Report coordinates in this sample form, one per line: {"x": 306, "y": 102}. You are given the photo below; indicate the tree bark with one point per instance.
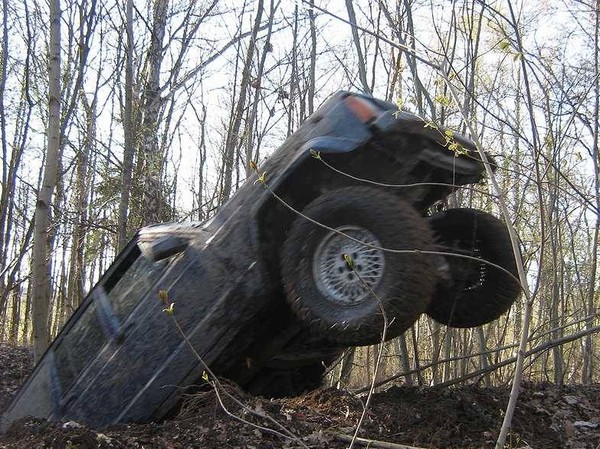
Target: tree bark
{"x": 41, "y": 260}
{"x": 153, "y": 204}
{"x": 405, "y": 359}
{"x": 361, "y": 63}
{"x": 252, "y": 116}
{"x": 4, "y": 188}
{"x": 129, "y": 131}
{"x": 76, "y": 266}
{"x": 313, "y": 58}
{"x": 232, "y": 140}
{"x": 346, "y": 366}
{"x": 591, "y": 308}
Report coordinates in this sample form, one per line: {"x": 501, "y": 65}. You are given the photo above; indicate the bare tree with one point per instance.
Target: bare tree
{"x": 152, "y": 103}
{"x": 233, "y": 131}
{"x": 251, "y": 154}
{"x": 41, "y": 261}
{"x": 313, "y": 58}
{"x": 361, "y": 63}
{"x": 590, "y": 306}
{"x": 129, "y": 136}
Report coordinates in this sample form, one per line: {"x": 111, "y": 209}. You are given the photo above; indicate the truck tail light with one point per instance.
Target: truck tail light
{"x": 362, "y": 108}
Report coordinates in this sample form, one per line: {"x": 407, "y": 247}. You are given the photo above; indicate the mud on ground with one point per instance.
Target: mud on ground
{"x": 461, "y": 417}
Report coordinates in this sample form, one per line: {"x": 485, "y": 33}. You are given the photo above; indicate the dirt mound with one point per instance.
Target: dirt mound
{"x": 463, "y": 417}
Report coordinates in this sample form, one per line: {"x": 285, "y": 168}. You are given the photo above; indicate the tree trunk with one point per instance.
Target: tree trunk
{"x": 404, "y": 31}
{"x": 294, "y": 84}
{"x": 233, "y": 133}
{"x": 250, "y": 154}
{"x": 591, "y": 310}
{"x": 435, "y": 330}
{"x": 129, "y": 131}
{"x": 153, "y": 204}
{"x": 346, "y": 366}
{"x": 361, "y": 63}
{"x": 484, "y": 362}
{"x": 41, "y": 261}
{"x": 313, "y": 58}
{"x": 75, "y": 273}
{"x": 404, "y": 359}
{"x": 12, "y": 160}
{"x": 4, "y": 187}
{"x": 201, "y": 164}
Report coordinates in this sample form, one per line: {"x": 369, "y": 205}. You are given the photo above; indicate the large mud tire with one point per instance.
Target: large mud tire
{"x": 343, "y": 304}
{"x": 473, "y": 292}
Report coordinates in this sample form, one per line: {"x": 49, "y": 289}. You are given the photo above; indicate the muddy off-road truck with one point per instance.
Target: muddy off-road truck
{"x": 341, "y": 234}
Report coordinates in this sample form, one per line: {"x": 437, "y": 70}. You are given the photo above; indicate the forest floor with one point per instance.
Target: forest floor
{"x": 459, "y": 417}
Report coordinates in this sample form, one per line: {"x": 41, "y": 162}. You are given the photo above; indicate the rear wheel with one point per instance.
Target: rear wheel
{"x": 473, "y": 290}
{"x": 340, "y": 281}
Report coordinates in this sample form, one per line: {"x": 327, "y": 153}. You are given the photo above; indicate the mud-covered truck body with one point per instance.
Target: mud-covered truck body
{"x": 341, "y": 238}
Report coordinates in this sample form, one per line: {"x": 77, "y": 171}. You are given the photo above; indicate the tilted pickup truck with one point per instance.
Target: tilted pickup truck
{"x": 341, "y": 238}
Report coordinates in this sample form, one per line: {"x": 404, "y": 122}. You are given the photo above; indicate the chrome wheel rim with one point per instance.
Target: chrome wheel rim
{"x": 337, "y": 280}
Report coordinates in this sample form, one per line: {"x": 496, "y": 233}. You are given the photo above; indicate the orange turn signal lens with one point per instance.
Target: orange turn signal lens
{"x": 363, "y": 109}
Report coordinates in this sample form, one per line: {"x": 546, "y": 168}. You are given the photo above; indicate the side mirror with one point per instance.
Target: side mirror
{"x": 163, "y": 247}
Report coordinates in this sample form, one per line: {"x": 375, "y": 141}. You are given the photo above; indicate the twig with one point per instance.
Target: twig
{"x": 379, "y": 353}
{"x": 372, "y": 443}
{"x": 242, "y": 420}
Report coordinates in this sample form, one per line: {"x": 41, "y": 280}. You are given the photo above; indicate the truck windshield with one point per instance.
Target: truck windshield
{"x": 104, "y": 314}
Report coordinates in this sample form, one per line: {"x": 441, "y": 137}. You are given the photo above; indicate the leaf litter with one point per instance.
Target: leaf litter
{"x": 467, "y": 416}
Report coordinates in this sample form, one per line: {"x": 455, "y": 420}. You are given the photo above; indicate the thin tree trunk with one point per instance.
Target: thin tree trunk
{"x": 402, "y": 27}
{"x": 153, "y": 204}
{"x": 448, "y": 341}
{"x": 12, "y": 161}
{"x": 313, "y": 58}
{"x": 294, "y": 85}
{"x": 588, "y": 344}
{"x": 405, "y": 359}
{"x": 201, "y": 164}
{"x": 75, "y": 274}
{"x": 41, "y": 261}
{"x": 361, "y": 63}
{"x": 484, "y": 358}
{"x": 346, "y": 366}
{"x": 232, "y": 141}
{"x": 16, "y": 289}
{"x": 13, "y": 332}
{"x": 436, "y": 349}
{"x": 416, "y": 359}
{"x": 267, "y": 48}
{"x": 4, "y": 187}
{"x": 129, "y": 136}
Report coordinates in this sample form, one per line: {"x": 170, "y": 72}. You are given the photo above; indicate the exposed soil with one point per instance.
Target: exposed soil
{"x": 462, "y": 417}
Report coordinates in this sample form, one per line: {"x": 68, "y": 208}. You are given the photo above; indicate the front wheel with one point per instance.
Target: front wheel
{"x": 341, "y": 280}
{"x": 479, "y": 288}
